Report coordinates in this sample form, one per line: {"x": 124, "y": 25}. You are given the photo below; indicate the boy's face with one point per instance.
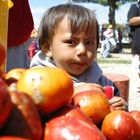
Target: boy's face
{"x": 72, "y": 52}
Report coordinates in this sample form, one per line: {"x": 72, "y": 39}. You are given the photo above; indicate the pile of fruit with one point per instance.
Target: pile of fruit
{"x": 40, "y": 104}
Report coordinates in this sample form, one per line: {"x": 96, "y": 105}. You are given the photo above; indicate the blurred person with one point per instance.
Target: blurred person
{"x": 102, "y": 38}
{"x": 134, "y": 22}
{"x": 33, "y": 48}
{"x": 102, "y": 31}
{"x": 107, "y": 48}
{"x": 119, "y": 39}
{"x": 20, "y": 26}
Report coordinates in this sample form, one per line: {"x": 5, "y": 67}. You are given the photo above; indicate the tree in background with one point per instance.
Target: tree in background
{"x": 113, "y": 5}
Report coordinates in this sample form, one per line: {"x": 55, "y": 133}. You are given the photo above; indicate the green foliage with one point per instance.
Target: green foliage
{"x": 103, "y": 2}
{"x": 112, "y": 61}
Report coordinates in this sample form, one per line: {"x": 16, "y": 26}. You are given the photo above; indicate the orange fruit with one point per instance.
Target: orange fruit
{"x": 93, "y": 103}
{"x": 14, "y": 74}
{"x": 50, "y": 88}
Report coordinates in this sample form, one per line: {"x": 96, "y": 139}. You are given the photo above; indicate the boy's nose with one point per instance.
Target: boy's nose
{"x": 81, "y": 49}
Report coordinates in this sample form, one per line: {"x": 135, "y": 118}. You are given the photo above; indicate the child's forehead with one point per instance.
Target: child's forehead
{"x": 84, "y": 35}
{"x": 76, "y": 27}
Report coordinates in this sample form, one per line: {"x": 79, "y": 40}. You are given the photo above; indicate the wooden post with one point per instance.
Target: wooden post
{"x": 4, "y": 12}
{"x": 122, "y": 83}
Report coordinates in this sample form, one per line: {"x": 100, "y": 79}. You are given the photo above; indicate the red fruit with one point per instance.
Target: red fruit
{"x": 120, "y": 125}
{"x": 24, "y": 120}
{"x": 79, "y": 114}
{"x": 94, "y": 104}
{"x": 71, "y": 128}
{"x": 136, "y": 115}
{"x": 2, "y": 54}
{"x": 5, "y": 103}
{"x": 73, "y": 111}
{"x": 12, "y": 138}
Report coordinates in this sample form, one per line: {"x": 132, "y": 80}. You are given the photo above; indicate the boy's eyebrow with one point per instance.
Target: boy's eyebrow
{"x": 91, "y": 38}
{"x": 86, "y": 36}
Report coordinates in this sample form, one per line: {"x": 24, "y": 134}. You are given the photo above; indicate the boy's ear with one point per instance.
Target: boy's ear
{"x": 46, "y": 50}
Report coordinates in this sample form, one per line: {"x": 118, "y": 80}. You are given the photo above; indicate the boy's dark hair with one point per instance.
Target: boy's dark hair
{"x": 81, "y": 19}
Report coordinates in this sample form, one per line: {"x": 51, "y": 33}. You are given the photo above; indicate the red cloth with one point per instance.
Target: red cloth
{"x": 20, "y": 23}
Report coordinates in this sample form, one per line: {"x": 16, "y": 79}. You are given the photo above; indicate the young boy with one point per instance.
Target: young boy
{"x": 69, "y": 38}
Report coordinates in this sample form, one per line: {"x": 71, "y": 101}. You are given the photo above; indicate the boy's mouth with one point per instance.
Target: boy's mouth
{"x": 79, "y": 64}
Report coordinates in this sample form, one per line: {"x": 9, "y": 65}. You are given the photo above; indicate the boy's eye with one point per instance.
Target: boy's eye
{"x": 70, "y": 42}
{"x": 89, "y": 42}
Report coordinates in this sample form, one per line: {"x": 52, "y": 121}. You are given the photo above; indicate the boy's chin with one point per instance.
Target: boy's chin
{"x": 74, "y": 74}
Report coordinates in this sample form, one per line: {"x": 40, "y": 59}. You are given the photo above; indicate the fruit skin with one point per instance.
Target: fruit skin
{"x": 72, "y": 111}
{"x": 50, "y": 88}
{"x": 14, "y": 75}
{"x": 94, "y": 104}
{"x": 77, "y": 113}
{"x": 5, "y": 103}
{"x": 66, "y": 127}
{"x": 12, "y": 138}
{"x": 136, "y": 115}
{"x": 24, "y": 120}
{"x": 2, "y": 54}
{"x": 120, "y": 125}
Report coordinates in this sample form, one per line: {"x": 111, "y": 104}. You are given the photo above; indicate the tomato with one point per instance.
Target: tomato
{"x": 69, "y": 110}
{"x": 94, "y": 104}
{"x": 120, "y": 125}
{"x": 66, "y": 127}
{"x": 136, "y": 115}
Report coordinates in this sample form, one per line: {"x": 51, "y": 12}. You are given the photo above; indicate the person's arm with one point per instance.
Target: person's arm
{"x": 118, "y": 103}
{"x": 80, "y": 87}
{"x": 134, "y": 21}
{"x": 133, "y": 18}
